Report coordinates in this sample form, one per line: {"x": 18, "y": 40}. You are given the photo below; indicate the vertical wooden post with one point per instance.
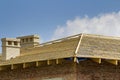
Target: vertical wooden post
{"x": 48, "y": 62}
{"x": 24, "y": 66}
{"x": 12, "y": 66}
{"x": 57, "y": 61}
{"x": 75, "y": 59}
{"x": 37, "y": 64}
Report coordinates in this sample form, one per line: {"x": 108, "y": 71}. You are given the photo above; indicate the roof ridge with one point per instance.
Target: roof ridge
{"x": 76, "y": 50}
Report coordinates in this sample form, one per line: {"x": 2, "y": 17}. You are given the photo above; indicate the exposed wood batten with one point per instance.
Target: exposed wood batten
{"x": 79, "y": 44}
{"x": 76, "y": 50}
{"x": 57, "y": 61}
{"x": 97, "y": 60}
{"x": 115, "y": 62}
{"x": 24, "y": 65}
{"x": 75, "y": 59}
{"x": 37, "y": 63}
{"x": 48, "y": 62}
{"x": 12, "y": 66}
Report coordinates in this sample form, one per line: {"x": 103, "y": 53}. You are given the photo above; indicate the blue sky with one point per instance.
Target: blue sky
{"x": 45, "y": 17}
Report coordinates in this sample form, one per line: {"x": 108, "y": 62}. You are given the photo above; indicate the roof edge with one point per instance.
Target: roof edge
{"x": 103, "y": 36}
{"x": 61, "y": 39}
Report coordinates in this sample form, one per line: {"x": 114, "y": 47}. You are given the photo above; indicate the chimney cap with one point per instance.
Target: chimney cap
{"x": 29, "y": 36}
{"x": 10, "y": 39}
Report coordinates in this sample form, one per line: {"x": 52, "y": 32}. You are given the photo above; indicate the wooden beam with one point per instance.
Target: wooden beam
{"x": 79, "y": 44}
{"x": 98, "y": 60}
{"x": 75, "y": 59}
{"x": 37, "y": 63}
{"x": 115, "y": 62}
{"x": 57, "y": 61}
{"x": 12, "y": 66}
{"x": 24, "y": 65}
{"x": 48, "y": 62}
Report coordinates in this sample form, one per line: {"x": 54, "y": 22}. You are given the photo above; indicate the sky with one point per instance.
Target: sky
{"x": 53, "y": 19}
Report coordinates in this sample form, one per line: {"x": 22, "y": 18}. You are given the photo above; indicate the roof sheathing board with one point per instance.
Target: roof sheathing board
{"x": 65, "y": 44}
{"x": 99, "y": 47}
{"x": 63, "y": 49}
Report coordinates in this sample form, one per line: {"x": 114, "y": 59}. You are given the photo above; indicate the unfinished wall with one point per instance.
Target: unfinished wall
{"x": 85, "y": 70}
{"x": 65, "y": 71}
{"x": 89, "y": 70}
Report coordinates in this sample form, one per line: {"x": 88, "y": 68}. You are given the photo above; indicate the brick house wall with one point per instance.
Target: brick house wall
{"x": 89, "y": 70}
{"x": 85, "y": 70}
{"x": 64, "y": 71}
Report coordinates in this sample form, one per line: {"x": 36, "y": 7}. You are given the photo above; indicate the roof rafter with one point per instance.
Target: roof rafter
{"x": 79, "y": 43}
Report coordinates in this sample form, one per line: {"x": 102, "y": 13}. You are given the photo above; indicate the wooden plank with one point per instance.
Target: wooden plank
{"x": 79, "y": 44}
{"x": 98, "y": 60}
{"x": 12, "y": 66}
{"x": 115, "y": 62}
{"x": 48, "y": 62}
{"x": 57, "y": 61}
{"x": 24, "y": 65}
{"x": 37, "y": 63}
{"x": 75, "y": 59}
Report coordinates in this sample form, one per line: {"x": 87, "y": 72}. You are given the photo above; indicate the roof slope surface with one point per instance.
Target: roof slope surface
{"x": 89, "y": 46}
{"x": 96, "y": 46}
{"x": 62, "y": 49}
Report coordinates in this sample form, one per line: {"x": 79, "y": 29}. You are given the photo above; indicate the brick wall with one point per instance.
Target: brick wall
{"x": 88, "y": 70}
{"x": 65, "y": 71}
{"x": 85, "y": 70}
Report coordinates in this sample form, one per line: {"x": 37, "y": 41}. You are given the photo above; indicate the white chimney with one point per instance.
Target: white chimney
{"x": 29, "y": 41}
{"x": 10, "y": 48}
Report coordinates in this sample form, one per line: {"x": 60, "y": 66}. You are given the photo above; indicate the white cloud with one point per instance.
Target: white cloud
{"x": 105, "y": 24}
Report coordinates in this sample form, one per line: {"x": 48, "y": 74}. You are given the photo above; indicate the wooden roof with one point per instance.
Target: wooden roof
{"x": 96, "y": 46}
{"x": 61, "y": 48}
{"x": 81, "y": 45}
